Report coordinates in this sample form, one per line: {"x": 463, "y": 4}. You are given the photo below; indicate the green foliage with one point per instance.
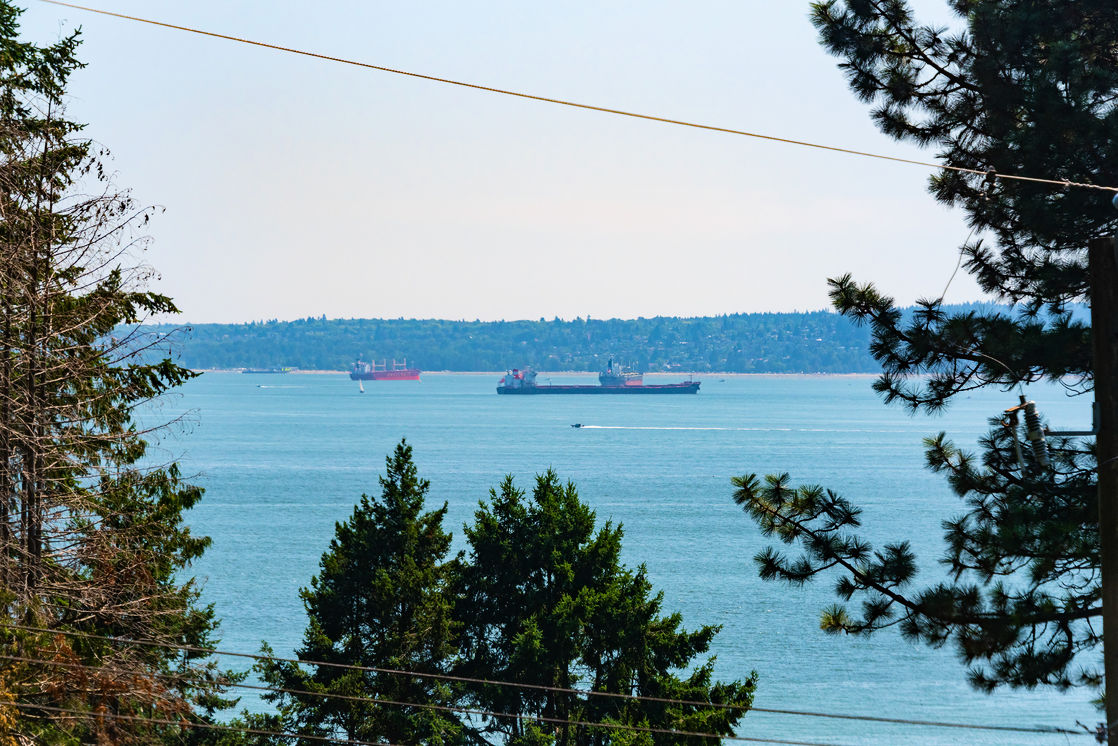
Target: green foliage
{"x": 92, "y": 540}
{"x": 541, "y": 598}
{"x": 381, "y": 600}
{"x": 1024, "y": 87}
{"x": 744, "y": 343}
{"x": 544, "y": 599}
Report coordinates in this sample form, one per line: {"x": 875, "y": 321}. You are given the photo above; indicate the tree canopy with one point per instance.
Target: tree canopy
{"x": 545, "y": 600}
{"x": 1028, "y": 88}
{"x": 93, "y": 550}
{"x": 818, "y": 341}
{"x": 533, "y": 634}
{"x": 381, "y": 600}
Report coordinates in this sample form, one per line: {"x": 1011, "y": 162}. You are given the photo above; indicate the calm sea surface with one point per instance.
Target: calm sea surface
{"x": 284, "y": 457}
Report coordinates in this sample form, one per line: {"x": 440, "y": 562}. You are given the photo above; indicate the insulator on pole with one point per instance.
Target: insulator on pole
{"x": 1034, "y": 433}
{"x": 1009, "y": 422}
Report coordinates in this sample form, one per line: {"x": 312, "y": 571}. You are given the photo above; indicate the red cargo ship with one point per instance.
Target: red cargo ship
{"x": 375, "y": 371}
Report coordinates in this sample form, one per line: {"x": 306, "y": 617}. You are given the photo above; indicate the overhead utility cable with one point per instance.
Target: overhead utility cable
{"x": 442, "y": 708}
{"x": 606, "y": 110}
{"x": 189, "y": 724}
{"x": 581, "y": 692}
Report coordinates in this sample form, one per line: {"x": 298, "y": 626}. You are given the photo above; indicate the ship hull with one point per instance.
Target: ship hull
{"x": 691, "y": 387}
{"x": 409, "y": 374}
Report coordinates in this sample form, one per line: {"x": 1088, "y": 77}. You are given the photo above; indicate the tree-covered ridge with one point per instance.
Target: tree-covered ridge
{"x": 807, "y": 342}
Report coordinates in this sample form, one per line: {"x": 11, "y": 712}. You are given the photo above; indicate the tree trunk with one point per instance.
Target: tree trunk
{"x": 1104, "y": 332}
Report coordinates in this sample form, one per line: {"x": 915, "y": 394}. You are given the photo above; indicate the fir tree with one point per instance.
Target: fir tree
{"x": 542, "y": 598}
{"x": 1024, "y": 87}
{"x": 545, "y": 600}
{"x": 91, "y": 540}
{"x": 380, "y": 600}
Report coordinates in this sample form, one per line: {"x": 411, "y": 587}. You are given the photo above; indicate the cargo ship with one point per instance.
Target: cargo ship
{"x": 518, "y": 381}
{"x": 375, "y": 371}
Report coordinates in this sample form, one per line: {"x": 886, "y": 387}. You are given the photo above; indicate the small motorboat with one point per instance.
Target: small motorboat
{"x": 577, "y": 424}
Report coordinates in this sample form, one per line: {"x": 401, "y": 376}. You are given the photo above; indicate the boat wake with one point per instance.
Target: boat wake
{"x": 739, "y": 429}
{"x": 666, "y": 427}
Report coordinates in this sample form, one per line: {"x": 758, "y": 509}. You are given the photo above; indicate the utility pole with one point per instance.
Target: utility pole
{"x": 1103, "y": 269}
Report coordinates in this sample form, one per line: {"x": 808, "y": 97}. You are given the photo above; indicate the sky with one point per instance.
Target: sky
{"x": 292, "y": 187}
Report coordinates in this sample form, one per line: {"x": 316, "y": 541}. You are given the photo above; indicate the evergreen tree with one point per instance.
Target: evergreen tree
{"x": 1024, "y": 87}
{"x": 542, "y": 599}
{"x": 545, "y": 600}
{"x": 91, "y": 540}
{"x": 380, "y": 600}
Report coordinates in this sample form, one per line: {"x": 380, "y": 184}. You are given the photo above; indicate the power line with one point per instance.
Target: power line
{"x": 958, "y": 264}
{"x": 191, "y": 724}
{"x": 603, "y": 109}
{"x": 426, "y": 706}
{"x": 541, "y": 687}
{"x": 989, "y": 174}
{"x": 376, "y": 669}
{"x": 463, "y": 710}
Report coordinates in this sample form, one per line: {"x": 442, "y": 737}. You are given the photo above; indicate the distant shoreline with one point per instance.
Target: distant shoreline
{"x": 696, "y": 374}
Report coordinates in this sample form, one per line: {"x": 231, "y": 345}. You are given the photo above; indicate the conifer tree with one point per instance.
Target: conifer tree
{"x": 380, "y": 599}
{"x": 1026, "y": 87}
{"x": 91, "y": 539}
{"x": 541, "y": 599}
{"x": 545, "y": 600}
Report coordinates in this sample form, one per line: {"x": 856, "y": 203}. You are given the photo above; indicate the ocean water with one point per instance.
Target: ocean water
{"x": 285, "y": 457}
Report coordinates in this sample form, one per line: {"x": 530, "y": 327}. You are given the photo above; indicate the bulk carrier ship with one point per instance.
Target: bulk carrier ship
{"x": 610, "y": 381}
{"x": 375, "y": 371}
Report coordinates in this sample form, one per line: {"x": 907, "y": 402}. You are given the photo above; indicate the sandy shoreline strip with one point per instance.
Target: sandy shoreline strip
{"x": 696, "y": 374}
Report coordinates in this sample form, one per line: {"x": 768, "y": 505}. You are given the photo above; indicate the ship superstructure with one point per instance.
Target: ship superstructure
{"x": 375, "y": 371}
{"x": 618, "y": 377}
{"x": 517, "y": 381}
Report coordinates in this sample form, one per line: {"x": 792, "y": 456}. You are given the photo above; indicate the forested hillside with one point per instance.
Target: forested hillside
{"x": 814, "y": 342}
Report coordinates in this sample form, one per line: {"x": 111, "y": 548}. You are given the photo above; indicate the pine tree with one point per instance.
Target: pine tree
{"x": 380, "y": 600}
{"x": 91, "y": 539}
{"x": 545, "y": 600}
{"x": 1027, "y": 88}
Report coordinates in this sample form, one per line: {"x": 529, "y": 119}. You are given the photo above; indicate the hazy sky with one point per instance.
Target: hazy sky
{"x": 298, "y": 187}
